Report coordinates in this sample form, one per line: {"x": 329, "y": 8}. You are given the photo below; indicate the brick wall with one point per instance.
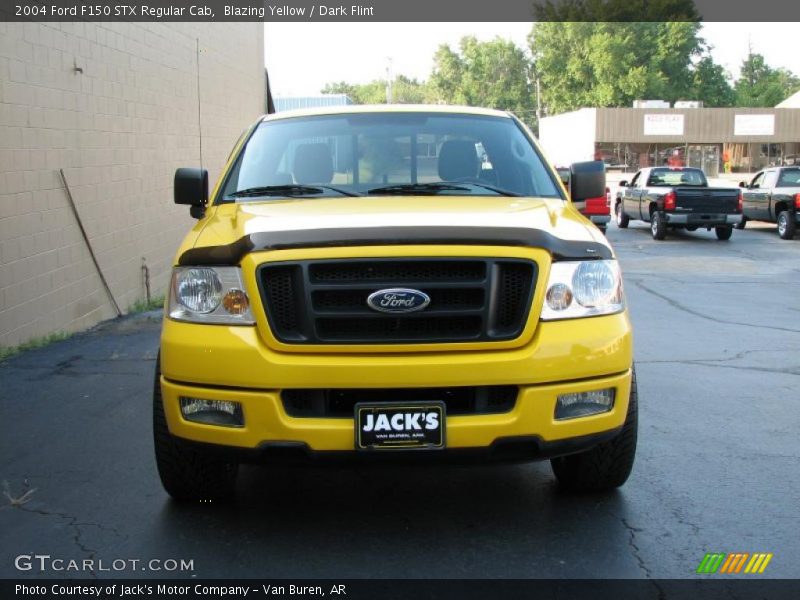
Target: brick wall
{"x": 116, "y": 106}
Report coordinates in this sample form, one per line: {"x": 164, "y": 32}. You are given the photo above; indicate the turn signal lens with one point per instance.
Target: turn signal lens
{"x": 559, "y": 297}
{"x": 236, "y": 302}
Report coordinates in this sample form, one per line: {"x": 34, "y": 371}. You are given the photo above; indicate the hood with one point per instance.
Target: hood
{"x": 367, "y": 218}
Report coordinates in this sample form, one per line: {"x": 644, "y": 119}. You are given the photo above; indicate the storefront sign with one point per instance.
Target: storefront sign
{"x": 663, "y": 124}
{"x": 754, "y": 125}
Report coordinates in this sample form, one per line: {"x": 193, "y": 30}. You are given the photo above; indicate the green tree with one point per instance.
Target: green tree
{"x": 711, "y": 84}
{"x": 373, "y": 92}
{"x": 447, "y": 77}
{"x": 494, "y": 74}
{"x": 582, "y": 64}
{"x": 404, "y": 91}
{"x": 761, "y": 85}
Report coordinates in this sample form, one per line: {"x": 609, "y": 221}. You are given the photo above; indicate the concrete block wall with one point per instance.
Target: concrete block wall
{"x": 116, "y": 106}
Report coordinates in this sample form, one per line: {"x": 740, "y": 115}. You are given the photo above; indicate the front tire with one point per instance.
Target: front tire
{"x": 621, "y": 218}
{"x": 658, "y": 225}
{"x": 607, "y": 465}
{"x": 724, "y": 233}
{"x": 187, "y": 473}
{"x": 786, "y": 225}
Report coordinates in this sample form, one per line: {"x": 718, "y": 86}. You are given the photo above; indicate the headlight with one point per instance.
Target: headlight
{"x": 198, "y": 290}
{"x": 209, "y": 295}
{"x": 583, "y": 289}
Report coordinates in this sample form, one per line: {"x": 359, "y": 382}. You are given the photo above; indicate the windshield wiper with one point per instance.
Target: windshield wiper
{"x": 498, "y": 190}
{"x": 294, "y": 189}
{"x": 418, "y": 188}
{"x": 438, "y": 186}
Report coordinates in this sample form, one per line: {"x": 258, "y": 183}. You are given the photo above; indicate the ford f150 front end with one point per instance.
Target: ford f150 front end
{"x": 393, "y": 281}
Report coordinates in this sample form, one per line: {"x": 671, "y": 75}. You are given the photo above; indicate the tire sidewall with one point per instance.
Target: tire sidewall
{"x": 658, "y": 226}
{"x": 786, "y": 225}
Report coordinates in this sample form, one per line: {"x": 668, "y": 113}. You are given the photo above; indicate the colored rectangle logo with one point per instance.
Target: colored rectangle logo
{"x": 734, "y": 563}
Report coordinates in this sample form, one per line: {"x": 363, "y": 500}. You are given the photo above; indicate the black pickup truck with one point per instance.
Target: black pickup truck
{"x": 773, "y": 195}
{"x": 677, "y": 198}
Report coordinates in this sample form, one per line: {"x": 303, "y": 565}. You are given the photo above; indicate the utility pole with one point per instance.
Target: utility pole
{"x": 538, "y": 106}
{"x": 389, "y": 80}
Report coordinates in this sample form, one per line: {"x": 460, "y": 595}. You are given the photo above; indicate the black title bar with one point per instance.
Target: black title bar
{"x": 710, "y": 588}
{"x": 398, "y": 10}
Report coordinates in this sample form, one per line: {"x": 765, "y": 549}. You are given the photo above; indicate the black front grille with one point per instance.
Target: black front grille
{"x": 282, "y": 292}
{"x": 325, "y": 302}
{"x": 515, "y": 283}
{"x": 447, "y": 299}
{"x": 398, "y": 271}
{"x": 340, "y": 403}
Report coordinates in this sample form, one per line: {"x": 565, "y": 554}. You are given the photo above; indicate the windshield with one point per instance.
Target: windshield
{"x": 676, "y": 177}
{"x": 388, "y": 154}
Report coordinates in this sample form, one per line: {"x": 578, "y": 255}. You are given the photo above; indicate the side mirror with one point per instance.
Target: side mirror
{"x": 742, "y": 184}
{"x": 587, "y": 180}
{"x": 191, "y": 187}
{"x": 623, "y": 183}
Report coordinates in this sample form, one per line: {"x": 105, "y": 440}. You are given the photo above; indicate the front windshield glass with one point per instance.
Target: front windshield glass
{"x": 388, "y": 153}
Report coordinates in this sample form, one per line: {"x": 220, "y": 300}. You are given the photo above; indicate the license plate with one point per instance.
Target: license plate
{"x": 406, "y": 426}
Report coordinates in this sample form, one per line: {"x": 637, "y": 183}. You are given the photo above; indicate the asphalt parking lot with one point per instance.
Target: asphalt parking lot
{"x": 718, "y": 469}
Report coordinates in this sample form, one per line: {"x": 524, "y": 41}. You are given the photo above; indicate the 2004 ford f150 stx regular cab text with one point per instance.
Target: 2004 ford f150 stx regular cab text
{"x": 375, "y": 282}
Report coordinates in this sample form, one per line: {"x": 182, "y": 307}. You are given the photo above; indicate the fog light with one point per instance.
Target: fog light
{"x": 582, "y": 404}
{"x": 212, "y": 412}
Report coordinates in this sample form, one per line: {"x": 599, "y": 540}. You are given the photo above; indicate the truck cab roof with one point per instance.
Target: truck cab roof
{"x": 387, "y": 108}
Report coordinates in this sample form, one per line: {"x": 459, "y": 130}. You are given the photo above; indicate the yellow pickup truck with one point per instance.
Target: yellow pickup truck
{"x": 382, "y": 282}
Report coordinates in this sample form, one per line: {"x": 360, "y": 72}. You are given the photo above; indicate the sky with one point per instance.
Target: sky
{"x": 303, "y": 57}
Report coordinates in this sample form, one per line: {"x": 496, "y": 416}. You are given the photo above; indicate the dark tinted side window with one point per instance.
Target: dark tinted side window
{"x": 789, "y": 178}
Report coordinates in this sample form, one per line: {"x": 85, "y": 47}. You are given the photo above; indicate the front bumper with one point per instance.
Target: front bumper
{"x": 600, "y": 220}
{"x": 505, "y": 449}
{"x": 267, "y": 423}
{"x": 702, "y": 220}
{"x": 232, "y": 363}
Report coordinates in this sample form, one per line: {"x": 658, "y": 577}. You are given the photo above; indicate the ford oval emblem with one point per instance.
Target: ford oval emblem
{"x": 398, "y": 300}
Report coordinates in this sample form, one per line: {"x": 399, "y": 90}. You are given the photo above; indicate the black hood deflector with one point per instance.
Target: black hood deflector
{"x": 232, "y": 254}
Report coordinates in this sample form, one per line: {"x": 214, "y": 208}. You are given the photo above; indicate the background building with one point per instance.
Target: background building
{"x": 292, "y": 102}
{"x": 118, "y": 107}
{"x": 792, "y": 101}
{"x": 717, "y": 140}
